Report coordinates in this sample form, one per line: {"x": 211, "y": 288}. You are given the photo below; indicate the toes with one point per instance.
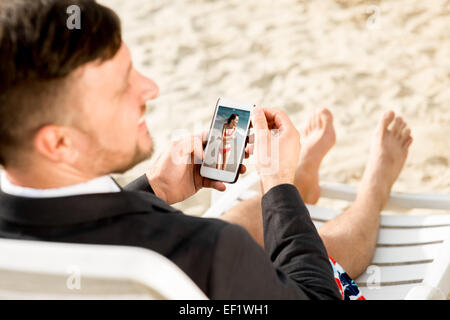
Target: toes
{"x": 324, "y": 112}
{"x": 406, "y": 137}
{"x": 406, "y": 133}
{"x": 320, "y": 122}
{"x": 325, "y": 117}
{"x": 401, "y": 131}
{"x": 397, "y": 126}
{"x": 318, "y": 119}
{"x": 407, "y": 142}
{"x": 387, "y": 118}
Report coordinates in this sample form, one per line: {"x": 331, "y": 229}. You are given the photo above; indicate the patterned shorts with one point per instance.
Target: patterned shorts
{"x": 348, "y": 288}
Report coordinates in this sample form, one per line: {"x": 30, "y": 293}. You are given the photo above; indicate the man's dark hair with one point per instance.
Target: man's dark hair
{"x": 37, "y": 54}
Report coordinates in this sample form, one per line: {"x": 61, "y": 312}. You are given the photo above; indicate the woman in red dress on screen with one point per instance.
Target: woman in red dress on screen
{"x": 228, "y": 135}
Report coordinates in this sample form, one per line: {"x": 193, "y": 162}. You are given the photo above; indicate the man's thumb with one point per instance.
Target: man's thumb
{"x": 259, "y": 121}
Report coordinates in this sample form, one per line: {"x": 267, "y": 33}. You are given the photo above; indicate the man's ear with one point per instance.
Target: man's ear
{"x": 54, "y": 143}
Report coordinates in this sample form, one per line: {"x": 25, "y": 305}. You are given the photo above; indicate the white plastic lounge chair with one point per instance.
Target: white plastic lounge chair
{"x": 412, "y": 258}
{"x": 45, "y": 270}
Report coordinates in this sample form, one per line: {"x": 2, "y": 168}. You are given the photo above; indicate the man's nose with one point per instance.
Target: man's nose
{"x": 149, "y": 88}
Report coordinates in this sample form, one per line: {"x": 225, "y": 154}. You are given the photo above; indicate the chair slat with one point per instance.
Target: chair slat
{"x": 405, "y": 255}
{"x": 407, "y": 237}
{"x": 396, "y": 200}
{"x": 398, "y": 292}
{"x": 321, "y": 213}
{"x": 317, "y": 224}
{"x": 247, "y": 194}
{"x": 389, "y": 275}
{"x": 405, "y": 221}
{"x": 396, "y": 236}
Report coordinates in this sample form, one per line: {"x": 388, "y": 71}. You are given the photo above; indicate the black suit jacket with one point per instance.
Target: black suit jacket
{"x": 221, "y": 258}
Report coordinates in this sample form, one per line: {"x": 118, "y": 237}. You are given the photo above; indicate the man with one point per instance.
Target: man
{"x": 71, "y": 107}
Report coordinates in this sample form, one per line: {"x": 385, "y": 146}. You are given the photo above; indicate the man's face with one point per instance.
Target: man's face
{"x": 112, "y": 135}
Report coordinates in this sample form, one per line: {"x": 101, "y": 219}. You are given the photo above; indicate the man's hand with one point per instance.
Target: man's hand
{"x": 276, "y": 147}
{"x": 176, "y": 174}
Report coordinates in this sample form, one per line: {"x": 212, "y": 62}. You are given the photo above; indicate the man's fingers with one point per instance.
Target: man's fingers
{"x": 205, "y": 135}
{"x": 202, "y": 136}
{"x": 197, "y": 144}
{"x": 249, "y": 150}
{"x": 260, "y": 129}
{"x": 196, "y": 147}
{"x": 251, "y": 137}
{"x": 277, "y": 119}
{"x": 272, "y": 119}
{"x": 218, "y": 185}
{"x": 208, "y": 183}
{"x": 259, "y": 120}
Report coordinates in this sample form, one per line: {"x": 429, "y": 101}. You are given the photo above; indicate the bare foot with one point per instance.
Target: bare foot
{"x": 317, "y": 138}
{"x": 388, "y": 152}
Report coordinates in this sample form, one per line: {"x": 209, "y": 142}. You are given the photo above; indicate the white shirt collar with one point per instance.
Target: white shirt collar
{"x": 104, "y": 184}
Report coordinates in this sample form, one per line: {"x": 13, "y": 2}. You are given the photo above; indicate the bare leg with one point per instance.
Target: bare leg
{"x": 317, "y": 138}
{"x": 351, "y": 237}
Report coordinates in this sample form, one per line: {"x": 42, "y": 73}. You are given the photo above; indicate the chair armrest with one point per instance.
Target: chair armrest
{"x": 396, "y": 200}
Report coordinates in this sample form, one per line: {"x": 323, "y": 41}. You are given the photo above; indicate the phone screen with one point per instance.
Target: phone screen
{"x": 227, "y": 139}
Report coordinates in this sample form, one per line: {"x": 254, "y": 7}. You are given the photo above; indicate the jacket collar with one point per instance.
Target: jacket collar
{"x": 103, "y": 184}
{"x": 69, "y": 210}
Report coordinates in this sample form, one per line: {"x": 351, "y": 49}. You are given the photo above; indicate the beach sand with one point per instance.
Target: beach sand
{"x": 357, "y": 58}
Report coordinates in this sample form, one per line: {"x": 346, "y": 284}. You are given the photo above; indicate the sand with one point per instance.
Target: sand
{"x": 357, "y": 58}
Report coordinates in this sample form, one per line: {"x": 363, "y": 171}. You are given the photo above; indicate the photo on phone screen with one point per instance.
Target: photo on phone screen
{"x": 227, "y": 139}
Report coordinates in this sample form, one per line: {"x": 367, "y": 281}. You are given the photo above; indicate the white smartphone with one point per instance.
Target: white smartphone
{"x": 225, "y": 147}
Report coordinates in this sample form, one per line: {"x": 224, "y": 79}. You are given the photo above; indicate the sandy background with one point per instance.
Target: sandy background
{"x": 357, "y": 58}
